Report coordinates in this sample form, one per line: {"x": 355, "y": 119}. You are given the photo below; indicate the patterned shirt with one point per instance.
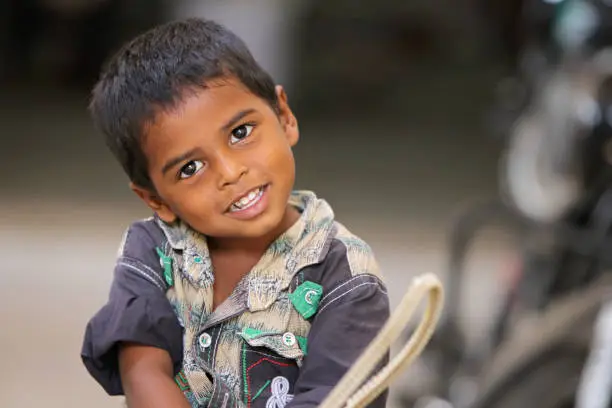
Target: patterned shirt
{"x": 285, "y": 336}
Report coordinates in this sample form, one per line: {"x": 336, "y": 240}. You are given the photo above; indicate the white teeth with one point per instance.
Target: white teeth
{"x": 247, "y": 200}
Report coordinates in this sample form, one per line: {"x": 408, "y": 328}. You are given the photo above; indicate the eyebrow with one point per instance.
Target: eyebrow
{"x": 234, "y": 119}
{"x": 178, "y": 159}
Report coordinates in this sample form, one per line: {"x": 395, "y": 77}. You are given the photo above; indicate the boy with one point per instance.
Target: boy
{"x": 238, "y": 292}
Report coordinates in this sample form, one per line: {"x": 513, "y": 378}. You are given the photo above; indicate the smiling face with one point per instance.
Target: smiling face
{"x": 222, "y": 162}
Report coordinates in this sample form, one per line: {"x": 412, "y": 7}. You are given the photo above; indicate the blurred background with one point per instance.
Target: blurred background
{"x": 412, "y": 115}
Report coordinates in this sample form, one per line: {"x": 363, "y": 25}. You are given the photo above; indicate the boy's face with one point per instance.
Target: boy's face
{"x": 222, "y": 162}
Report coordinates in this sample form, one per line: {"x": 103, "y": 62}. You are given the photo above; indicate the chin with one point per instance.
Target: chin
{"x": 264, "y": 227}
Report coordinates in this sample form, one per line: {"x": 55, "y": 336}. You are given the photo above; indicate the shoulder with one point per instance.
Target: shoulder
{"x": 141, "y": 238}
{"x": 138, "y": 257}
{"x": 353, "y": 250}
{"x": 348, "y": 266}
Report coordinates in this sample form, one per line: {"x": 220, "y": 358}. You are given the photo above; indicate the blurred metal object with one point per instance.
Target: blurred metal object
{"x": 556, "y": 196}
{"x": 595, "y": 388}
{"x": 456, "y": 365}
{"x": 545, "y": 357}
{"x": 540, "y": 172}
{"x": 543, "y": 172}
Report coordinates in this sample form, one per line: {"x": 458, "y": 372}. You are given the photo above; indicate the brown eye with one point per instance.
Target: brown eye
{"x": 190, "y": 169}
{"x": 240, "y": 133}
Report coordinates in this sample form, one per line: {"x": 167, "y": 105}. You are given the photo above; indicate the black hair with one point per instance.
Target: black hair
{"x": 153, "y": 72}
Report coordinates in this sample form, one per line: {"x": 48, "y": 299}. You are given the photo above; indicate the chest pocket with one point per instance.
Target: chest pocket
{"x": 271, "y": 364}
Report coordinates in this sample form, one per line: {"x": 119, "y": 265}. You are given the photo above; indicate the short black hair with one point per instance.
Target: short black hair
{"x": 153, "y": 72}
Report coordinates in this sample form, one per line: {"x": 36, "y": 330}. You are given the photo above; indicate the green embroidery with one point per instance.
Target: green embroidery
{"x": 303, "y": 342}
{"x": 306, "y": 298}
{"x": 249, "y": 333}
{"x": 244, "y": 374}
{"x": 261, "y": 390}
{"x": 181, "y": 381}
{"x": 167, "y": 262}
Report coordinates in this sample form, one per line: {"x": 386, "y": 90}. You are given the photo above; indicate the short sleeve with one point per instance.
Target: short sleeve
{"x": 351, "y": 313}
{"x": 137, "y": 310}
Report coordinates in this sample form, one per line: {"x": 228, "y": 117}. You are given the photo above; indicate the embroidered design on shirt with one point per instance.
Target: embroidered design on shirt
{"x": 181, "y": 381}
{"x": 258, "y": 393}
{"x": 166, "y": 263}
{"x": 280, "y": 393}
{"x": 248, "y": 379}
{"x": 306, "y": 298}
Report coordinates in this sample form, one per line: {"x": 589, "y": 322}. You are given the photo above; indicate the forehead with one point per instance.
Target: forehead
{"x": 200, "y": 112}
{"x": 208, "y": 107}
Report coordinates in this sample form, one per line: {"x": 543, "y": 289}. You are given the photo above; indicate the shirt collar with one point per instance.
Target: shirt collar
{"x": 305, "y": 243}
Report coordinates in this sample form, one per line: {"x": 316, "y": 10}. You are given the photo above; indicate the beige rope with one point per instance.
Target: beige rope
{"x": 347, "y": 392}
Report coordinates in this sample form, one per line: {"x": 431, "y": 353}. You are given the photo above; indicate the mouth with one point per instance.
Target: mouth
{"x": 248, "y": 200}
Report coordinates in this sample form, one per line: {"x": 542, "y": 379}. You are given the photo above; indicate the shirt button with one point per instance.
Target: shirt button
{"x": 308, "y": 296}
{"x": 205, "y": 340}
{"x": 289, "y": 339}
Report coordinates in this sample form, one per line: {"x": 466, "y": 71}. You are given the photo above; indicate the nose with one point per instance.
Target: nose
{"x": 230, "y": 170}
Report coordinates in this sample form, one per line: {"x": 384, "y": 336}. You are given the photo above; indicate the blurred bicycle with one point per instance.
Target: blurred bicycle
{"x": 556, "y": 199}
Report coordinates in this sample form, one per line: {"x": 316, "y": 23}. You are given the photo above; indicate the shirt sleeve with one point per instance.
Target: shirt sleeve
{"x": 350, "y": 315}
{"x": 136, "y": 311}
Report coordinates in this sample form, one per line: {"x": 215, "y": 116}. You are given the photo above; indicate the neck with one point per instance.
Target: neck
{"x": 255, "y": 245}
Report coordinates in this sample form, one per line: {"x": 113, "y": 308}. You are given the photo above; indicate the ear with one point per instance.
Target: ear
{"x": 286, "y": 116}
{"x": 154, "y": 202}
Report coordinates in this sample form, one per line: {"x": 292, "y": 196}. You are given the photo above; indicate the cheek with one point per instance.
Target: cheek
{"x": 197, "y": 212}
{"x": 189, "y": 200}
{"x": 280, "y": 154}
{"x": 280, "y": 163}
